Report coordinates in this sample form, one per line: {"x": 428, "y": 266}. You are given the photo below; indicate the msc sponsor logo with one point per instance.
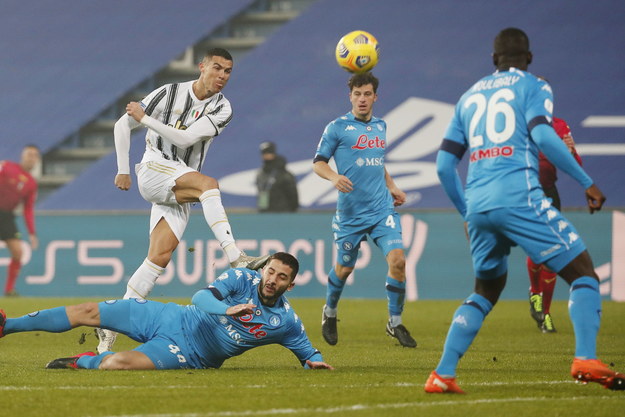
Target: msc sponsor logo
{"x": 370, "y": 162}
{"x": 494, "y": 152}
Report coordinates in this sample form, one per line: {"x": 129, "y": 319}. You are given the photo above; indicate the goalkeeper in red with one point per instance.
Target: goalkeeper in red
{"x": 17, "y": 186}
{"x": 504, "y": 120}
{"x": 542, "y": 279}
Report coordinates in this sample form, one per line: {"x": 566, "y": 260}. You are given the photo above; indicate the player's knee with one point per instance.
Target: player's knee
{"x": 116, "y": 361}
{"x": 83, "y": 314}
{"x": 16, "y": 254}
{"x": 129, "y": 360}
{"x": 342, "y": 272}
{"x": 397, "y": 264}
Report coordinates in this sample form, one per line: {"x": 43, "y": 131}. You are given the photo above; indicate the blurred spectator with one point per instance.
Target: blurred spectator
{"x": 17, "y": 186}
{"x": 277, "y": 188}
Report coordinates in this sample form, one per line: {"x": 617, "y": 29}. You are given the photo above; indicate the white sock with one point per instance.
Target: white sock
{"x": 329, "y": 312}
{"x": 217, "y": 220}
{"x": 142, "y": 281}
{"x": 395, "y": 321}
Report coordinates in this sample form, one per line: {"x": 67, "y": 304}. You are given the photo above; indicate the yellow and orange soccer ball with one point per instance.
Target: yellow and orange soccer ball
{"x": 357, "y": 51}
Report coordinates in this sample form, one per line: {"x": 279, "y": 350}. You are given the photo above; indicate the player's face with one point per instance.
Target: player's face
{"x": 362, "y": 99}
{"x": 276, "y": 279}
{"x": 30, "y": 158}
{"x": 214, "y": 74}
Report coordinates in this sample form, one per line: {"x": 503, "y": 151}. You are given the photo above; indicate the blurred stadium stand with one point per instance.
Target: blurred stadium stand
{"x": 74, "y": 66}
{"x": 288, "y": 88}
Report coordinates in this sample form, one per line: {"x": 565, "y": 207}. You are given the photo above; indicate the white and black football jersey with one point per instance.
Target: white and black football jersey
{"x": 176, "y": 105}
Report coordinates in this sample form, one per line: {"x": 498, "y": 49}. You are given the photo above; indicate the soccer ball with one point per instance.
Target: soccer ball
{"x": 357, "y": 51}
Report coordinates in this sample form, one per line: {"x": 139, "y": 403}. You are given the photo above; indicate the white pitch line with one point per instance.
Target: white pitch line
{"x": 257, "y": 386}
{"x": 367, "y": 407}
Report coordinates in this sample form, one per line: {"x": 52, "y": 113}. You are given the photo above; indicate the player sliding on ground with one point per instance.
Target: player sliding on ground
{"x": 241, "y": 310}
{"x": 503, "y": 120}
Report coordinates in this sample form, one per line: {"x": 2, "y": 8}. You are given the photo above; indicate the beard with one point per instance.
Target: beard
{"x": 271, "y": 298}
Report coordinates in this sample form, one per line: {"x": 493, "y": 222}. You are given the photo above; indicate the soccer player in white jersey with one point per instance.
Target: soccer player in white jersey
{"x": 182, "y": 121}
{"x": 504, "y": 120}
{"x": 367, "y": 197}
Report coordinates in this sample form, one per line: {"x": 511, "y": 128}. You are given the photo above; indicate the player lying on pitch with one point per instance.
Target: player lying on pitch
{"x": 241, "y": 310}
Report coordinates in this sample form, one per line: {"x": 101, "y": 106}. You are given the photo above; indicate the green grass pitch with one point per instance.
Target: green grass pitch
{"x": 511, "y": 370}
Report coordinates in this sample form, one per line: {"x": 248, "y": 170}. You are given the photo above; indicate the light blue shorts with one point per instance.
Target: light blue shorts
{"x": 385, "y": 233}
{"x": 156, "y": 325}
{"x": 543, "y": 233}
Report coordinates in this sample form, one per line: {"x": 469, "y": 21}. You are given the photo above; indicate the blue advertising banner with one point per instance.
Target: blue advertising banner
{"x": 95, "y": 254}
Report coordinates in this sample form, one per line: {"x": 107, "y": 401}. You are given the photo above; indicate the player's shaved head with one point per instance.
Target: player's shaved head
{"x": 512, "y": 49}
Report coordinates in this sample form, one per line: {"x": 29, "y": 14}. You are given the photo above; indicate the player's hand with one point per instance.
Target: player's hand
{"x": 595, "y": 198}
{"x": 123, "y": 181}
{"x": 319, "y": 365}
{"x": 134, "y": 110}
{"x": 34, "y": 241}
{"x": 343, "y": 184}
{"x": 569, "y": 142}
{"x": 240, "y": 310}
{"x": 399, "y": 197}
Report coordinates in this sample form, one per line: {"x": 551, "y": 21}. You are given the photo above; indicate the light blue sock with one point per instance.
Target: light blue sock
{"x": 395, "y": 294}
{"x": 334, "y": 289}
{"x": 466, "y": 322}
{"x": 91, "y": 362}
{"x": 52, "y": 320}
{"x": 585, "y": 313}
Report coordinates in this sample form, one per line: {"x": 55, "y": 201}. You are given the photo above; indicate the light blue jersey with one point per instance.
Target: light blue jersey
{"x": 216, "y": 338}
{"x": 504, "y": 120}
{"x": 493, "y": 120}
{"x": 358, "y": 149}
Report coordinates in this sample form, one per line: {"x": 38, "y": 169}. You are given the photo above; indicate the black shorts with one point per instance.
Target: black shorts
{"x": 8, "y": 228}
